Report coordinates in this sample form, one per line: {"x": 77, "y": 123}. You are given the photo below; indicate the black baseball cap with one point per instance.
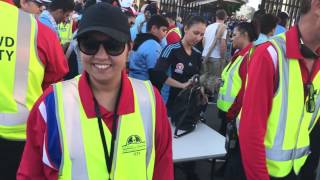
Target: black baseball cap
{"x": 105, "y": 18}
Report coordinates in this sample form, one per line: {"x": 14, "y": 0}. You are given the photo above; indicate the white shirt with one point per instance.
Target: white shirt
{"x": 209, "y": 36}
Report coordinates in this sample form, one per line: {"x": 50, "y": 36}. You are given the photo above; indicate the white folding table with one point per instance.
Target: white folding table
{"x": 202, "y": 143}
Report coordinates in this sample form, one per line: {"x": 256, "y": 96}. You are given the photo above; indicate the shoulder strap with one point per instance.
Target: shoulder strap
{"x": 219, "y": 33}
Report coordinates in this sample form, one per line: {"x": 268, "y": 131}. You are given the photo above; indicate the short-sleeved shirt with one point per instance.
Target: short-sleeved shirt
{"x": 178, "y": 65}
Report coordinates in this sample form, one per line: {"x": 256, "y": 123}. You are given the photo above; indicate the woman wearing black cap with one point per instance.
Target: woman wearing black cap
{"x": 101, "y": 124}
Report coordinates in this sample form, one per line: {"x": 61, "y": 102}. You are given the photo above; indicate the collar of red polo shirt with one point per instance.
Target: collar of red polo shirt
{"x": 8, "y": 1}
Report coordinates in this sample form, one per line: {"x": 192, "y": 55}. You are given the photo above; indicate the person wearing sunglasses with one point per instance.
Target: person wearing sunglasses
{"x": 281, "y": 102}
{"x": 231, "y": 94}
{"x": 101, "y": 124}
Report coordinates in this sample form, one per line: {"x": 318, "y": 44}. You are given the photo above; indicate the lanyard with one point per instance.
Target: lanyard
{"x": 108, "y": 158}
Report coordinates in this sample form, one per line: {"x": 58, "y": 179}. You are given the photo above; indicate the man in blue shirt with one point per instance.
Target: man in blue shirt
{"x": 58, "y": 11}
{"x": 147, "y": 48}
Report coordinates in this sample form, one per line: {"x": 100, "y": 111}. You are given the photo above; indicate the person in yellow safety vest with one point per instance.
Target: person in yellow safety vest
{"x": 65, "y": 31}
{"x": 231, "y": 93}
{"x": 174, "y": 33}
{"x": 281, "y": 101}
{"x": 30, "y": 59}
{"x": 101, "y": 124}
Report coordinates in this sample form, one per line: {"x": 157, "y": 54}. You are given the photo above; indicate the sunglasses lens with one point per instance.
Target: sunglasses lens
{"x": 113, "y": 47}
{"x": 89, "y": 47}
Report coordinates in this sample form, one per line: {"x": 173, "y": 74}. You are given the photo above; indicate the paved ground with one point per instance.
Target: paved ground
{"x": 203, "y": 167}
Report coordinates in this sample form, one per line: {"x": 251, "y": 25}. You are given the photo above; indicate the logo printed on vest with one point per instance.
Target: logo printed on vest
{"x": 134, "y": 145}
{"x": 5, "y": 44}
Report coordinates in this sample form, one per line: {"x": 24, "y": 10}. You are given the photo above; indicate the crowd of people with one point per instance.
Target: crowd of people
{"x": 88, "y": 89}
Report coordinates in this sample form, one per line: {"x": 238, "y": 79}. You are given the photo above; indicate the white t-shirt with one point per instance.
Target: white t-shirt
{"x": 209, "y": 36}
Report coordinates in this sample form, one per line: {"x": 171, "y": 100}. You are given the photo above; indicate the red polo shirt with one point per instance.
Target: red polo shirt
{"x": 51, "y": 55}
{"x": 237, "y": 104}
{"x": 172, "y": 37}
{"x": 32, "y": 165}
{"x": 257, "y": 102}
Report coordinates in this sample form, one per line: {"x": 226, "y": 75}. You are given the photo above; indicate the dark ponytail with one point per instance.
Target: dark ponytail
{"x": 251, "y": 29}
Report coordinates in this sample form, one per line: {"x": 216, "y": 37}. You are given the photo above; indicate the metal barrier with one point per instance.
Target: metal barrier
{"x": 182, "y": 8}
{"x": 290, "y": 6}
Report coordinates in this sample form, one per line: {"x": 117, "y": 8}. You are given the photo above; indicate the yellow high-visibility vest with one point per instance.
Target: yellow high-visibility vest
{"x": 176, "y": 30}
{"x": 22, "y": 71}
{"x": 83, "y": 154}
{"x": 65, "y": 32}
{"x": 231, "y": 84}
{"x": 287, "y": 140}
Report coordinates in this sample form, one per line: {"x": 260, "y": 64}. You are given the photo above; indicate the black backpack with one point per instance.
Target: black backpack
{"x": 187, "y": 108}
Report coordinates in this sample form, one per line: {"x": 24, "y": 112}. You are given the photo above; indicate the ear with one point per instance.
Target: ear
{"x": 185, "y": 28}
{"x": 316, "y": 5}
{"x": 23, "y": 4}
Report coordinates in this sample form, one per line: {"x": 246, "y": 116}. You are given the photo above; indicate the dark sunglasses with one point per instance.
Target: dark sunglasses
{"x": 91, "y": 46}
{"x": 310, "y": 104}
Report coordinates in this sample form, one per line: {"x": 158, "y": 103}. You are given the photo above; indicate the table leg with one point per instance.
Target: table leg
{"x": 213, "y": 164}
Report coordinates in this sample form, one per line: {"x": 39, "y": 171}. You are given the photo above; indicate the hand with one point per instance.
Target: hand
{"x": 186, "y": 84}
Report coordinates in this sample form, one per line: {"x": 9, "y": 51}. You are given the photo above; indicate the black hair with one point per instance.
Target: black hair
{"x": 250, "y": 29}
{"x": 221, "y": 14}
{"x": 158, "y": 21}
{"x": 267, "y": 23}
{"x": 283, "y": 18}
{"x": 78, "y": 8}
{"x": 305, "y": 6}
{"x": 152, "y": 8}
{"x": 65, "y": 5}
{"x": 194, "y": 20}
{"x": 17, "y": 3}
{"x": 256, "y": 19}
{"x": 171, "y": 15}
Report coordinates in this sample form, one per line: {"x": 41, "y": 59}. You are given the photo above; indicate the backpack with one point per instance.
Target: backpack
{"x": 187, "y": 108}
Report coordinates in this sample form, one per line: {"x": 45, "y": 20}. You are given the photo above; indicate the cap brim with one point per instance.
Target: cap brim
{"x": 117, "y": 35}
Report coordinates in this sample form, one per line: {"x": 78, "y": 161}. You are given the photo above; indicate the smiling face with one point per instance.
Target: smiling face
{"x": 102, "y": 67}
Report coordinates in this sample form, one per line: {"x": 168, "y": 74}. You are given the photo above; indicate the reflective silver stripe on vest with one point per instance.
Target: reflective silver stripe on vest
{"x": 276, "y": 153}
{"x": 21, "y": 72}
{"x": 228, "y": 97}
{"x": 73, "y": 129}
{"x": 145, "y": 105}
